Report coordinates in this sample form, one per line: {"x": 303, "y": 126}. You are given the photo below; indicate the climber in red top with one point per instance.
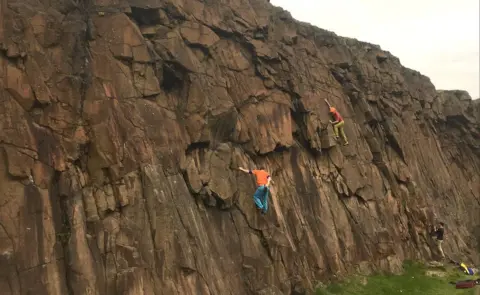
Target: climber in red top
{"x": 338, "y": 125}
{"x": 263, "y": 181}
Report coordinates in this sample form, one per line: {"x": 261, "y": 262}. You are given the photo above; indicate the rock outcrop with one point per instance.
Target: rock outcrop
{"x": 122, "y": 120}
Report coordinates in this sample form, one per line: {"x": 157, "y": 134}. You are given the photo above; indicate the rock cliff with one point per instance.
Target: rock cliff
{"x": 122, "y": 120}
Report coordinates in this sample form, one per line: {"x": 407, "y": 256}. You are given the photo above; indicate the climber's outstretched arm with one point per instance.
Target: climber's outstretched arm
{"x": 244, "y": 170}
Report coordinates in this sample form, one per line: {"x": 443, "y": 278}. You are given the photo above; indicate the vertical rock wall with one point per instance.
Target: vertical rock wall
{"x": 121, "y": 121}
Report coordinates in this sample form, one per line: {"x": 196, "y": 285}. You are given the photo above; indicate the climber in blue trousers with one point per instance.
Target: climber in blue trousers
{"x": 261, "y": 194}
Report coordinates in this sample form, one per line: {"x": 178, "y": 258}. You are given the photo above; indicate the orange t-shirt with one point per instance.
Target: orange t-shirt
{"x": 261, "y": 176}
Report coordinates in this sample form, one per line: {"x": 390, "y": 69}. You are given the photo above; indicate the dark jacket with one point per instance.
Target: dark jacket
{"x": 439, "y": 233}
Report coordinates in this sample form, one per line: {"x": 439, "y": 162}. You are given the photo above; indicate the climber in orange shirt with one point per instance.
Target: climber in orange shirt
{"x": 338, "y": 125}
{"x": 263, "y": 181}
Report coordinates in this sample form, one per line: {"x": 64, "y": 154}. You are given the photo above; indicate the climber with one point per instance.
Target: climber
{"x": 438, "y": 233}
{"x": 263, "y": 181}
{"x": 338, "y": 125}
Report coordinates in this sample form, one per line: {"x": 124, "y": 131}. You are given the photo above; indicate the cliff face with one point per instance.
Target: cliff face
{"x": 121, "y": 121}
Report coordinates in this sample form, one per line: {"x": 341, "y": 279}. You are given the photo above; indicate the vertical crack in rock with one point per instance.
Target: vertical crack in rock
{"x": 60, "y": 209}
{"x": 260, "y": 233}
{"x": 148, "y": 189}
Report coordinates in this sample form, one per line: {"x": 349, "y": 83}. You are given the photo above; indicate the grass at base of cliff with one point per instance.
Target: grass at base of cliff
{"x": 413, "y": 281}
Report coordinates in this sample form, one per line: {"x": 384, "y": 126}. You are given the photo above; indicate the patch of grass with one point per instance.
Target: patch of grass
{"x": 413, "y": 281}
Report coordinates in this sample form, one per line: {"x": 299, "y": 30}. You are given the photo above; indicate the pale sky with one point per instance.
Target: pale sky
{"x": 439, "y": 38}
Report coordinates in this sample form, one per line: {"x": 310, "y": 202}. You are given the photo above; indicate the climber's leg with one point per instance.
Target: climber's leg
{"x": 440, "y": 249}
{"x": 338, "y": 128}
{"x": 342, "y": 132}
{"x": 335, "y": 129}
{"x": 265, "y": 200}
{"x": 258, "y": 196}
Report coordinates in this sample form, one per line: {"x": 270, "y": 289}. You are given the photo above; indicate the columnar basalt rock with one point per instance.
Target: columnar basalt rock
{"x": 122, "y": 122}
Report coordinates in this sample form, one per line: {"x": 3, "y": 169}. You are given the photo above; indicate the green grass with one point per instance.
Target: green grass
{"x": 413, "y": 281}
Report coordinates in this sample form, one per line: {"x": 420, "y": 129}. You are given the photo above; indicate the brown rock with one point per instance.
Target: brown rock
{"x": 381, "y": 57}
{"x": 90, "y": 205}
{"x": 13, "y": 51}
{"x": 47, "y": 27}
{"x": 37, "y": 81}
{"x": 110, "y": 198}
{"x": 121, "y": 194}
{"x": 145, "y": 80}
{"x": 20, "y": 161}
{"x": 149, "y": 31}
{"x": 263, "y": 50}
{"x": 232, "y": 55}
{"x": 122, "y": 51}
{"x": 173, "y": 45}
{"x": 42, "y": 174}
{"x": 141, "y": 54}
{"x": 118, "y": 153}
{"x": 18, "y": 86}
{"x": 197, "y": 34}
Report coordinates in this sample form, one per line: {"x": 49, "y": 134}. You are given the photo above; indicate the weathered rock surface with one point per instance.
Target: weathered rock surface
{"x": 121, "y": 121}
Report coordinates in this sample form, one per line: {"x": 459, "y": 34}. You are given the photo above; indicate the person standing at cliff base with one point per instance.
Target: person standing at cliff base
{"x": 263, "y": 181}
{"x": 439, "y": 235}
{"x": 338, "y": 125}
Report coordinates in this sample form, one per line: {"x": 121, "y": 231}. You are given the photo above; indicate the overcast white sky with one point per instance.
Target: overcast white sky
{"x": 439, "y": 38}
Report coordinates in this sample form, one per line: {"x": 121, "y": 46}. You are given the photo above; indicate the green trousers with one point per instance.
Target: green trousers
{"x": 338, "y": 128}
